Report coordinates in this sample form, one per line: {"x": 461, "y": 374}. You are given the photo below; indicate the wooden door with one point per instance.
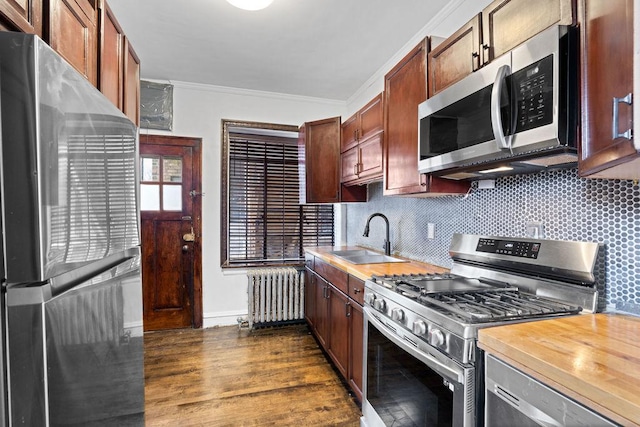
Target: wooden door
{"x": 350, "y": 162}
{"x": 339, "y": 330}
{"x": 321, "y": 310}
{"x": 170, "y": 216}
{"x": 321, "y": 145}
{"x": 405, "y": 88}
{"x": 508, "y": 23}
{"x": 356, "y": 328}
{"x": 607, "y": 73}
{"x": 73, "y": 34}
{"x": 21, "y": 15}
{"x": 371, "y": 118}
{"x": 370, "y": 151}
{"x": 110, "y": 78}
{"x": 131, "y": 83}
{"x": 456, "y": 57}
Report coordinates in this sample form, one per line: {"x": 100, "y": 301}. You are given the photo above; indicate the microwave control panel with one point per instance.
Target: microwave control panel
{"x": 533, "y": 87}
{"x": 509, "y": 247}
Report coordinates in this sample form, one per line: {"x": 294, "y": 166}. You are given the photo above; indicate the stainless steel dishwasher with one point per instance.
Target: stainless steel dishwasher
{"x": 513, "y": 398}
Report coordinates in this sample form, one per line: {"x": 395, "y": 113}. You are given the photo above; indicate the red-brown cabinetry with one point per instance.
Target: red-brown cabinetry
{"x": 607, "y": 88}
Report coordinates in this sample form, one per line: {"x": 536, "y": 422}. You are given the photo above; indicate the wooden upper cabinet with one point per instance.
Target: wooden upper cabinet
{"x": 131, "y": 97}
{"x": 456, "y": 57}
{"x": 21, "y": 15}
{"x": 111, "y": 58}
{"x": 319, "y": 144}
{"x": 508, "y": 23}
{"x": 349, "y": 133}
{"x": 72, "y": 32}
{"x": 607, "y": 78}
{"x": 362, "y": 144}
{"x": 404, "y": 89}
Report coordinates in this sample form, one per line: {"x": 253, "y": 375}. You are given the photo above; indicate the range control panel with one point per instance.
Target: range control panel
{"x": 509, "y": 247}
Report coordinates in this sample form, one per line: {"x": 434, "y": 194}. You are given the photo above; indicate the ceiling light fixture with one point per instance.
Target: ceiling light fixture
{"x": 250, "y": 4}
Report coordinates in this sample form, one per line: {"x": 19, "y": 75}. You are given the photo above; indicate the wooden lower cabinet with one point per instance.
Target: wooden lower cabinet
{"x": 336, "y": 320}
{"x": 338, "y": 347}
{"x": 356, "y": 327}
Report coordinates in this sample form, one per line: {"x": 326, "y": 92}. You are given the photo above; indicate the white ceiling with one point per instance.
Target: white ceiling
{"x": 317, "y": 48}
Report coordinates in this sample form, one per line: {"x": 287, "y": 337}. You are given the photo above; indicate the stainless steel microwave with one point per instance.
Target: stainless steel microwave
{"x": 516, "y": 115}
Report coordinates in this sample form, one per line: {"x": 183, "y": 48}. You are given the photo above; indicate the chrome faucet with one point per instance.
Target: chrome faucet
{"x": 387, "y": 243}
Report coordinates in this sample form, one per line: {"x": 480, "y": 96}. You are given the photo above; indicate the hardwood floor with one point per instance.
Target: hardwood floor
{"x": 230, "y": 377}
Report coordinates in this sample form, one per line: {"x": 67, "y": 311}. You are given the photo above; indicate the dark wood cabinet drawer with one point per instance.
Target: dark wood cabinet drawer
{"x": 356, "y": 289}
{"x": 333, "y": 275}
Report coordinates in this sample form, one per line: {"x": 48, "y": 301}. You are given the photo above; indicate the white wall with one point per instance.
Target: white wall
{"x": 198, "y": 111}
{"x": 452, "y": 17}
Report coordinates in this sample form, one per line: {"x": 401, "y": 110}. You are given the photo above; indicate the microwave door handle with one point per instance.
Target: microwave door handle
{"x": 502, "y": 140}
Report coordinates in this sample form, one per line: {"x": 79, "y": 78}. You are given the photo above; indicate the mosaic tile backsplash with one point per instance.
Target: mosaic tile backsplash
{"x": 569, "y": 208}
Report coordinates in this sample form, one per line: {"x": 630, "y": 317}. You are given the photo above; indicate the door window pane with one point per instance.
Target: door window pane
{"x": 150, "y": 169}
{"x": 172, "y": 198}
{"x": 149, "y": 197}
{"x": 171, "y": 169}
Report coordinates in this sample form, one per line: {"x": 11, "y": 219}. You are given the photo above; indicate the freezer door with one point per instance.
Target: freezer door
{"x": 77, "y": 358}
{"x": 69, "y": 162}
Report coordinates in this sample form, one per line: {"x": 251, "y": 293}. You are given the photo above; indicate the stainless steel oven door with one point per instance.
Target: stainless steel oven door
{"x": 407, "y": 383}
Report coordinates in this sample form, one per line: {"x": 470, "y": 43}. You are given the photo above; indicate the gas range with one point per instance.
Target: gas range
{"x": 493, "y": 281}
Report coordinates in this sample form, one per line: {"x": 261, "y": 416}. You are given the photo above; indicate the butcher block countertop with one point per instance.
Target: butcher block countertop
{"x": 365, "y": 271}
{"x": 592, "y": 358}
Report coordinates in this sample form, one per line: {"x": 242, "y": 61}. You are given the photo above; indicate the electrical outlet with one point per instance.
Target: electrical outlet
{"x": 535, "y": 229}
{"x": 431, "y": 231}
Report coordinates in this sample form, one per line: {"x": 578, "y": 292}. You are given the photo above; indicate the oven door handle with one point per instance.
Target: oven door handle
{"x": 410, "y": 344}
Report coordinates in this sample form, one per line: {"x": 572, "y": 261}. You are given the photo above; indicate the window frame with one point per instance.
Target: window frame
{"x": 227, "y": 127}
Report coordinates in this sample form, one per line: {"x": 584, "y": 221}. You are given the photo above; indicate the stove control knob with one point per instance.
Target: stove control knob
{"x": 419, "y": 327}
{"x": 370, "y": 299}
{"x": 437, "y": 338}
{"x": 398, "y": 315}
{"x": 380, "y": 305}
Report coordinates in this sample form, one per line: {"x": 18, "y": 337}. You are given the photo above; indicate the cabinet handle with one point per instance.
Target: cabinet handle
{"x": 628, "y": 134}
{"x": 475, "y": 61}
{"x": 355, "y": 134}
{"x": 347, "y": 306}
{"x": 486, "y": 49}
{"x": 355, "y": 169}
{"x": 356, "y": 291}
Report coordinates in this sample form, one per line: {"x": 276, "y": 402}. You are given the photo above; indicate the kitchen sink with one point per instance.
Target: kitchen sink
{"x": 364, "y": 256}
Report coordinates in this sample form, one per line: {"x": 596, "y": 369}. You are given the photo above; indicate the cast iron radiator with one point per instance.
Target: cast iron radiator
{"x": 276, "y": 296}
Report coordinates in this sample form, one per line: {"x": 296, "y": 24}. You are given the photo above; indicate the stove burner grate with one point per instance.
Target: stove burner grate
{"x": 496, "y": 305}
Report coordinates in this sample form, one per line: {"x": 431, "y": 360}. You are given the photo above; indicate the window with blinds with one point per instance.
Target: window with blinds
{"x": 265, "y": 223}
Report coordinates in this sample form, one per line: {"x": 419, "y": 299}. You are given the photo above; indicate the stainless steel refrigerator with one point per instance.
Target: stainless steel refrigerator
{"x": 71, "y": 285}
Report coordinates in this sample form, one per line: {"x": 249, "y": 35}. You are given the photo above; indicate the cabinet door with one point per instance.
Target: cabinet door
{"x": 349, "y": 133}
{"x": 21, "y": 15}
{"x": 456, "y": 57}
{"x": 131, "y": 97}
{"x": 310, "y": 298}
{"x": 371, "y": 118}
{"x": 405, "y": 88}
{"x": 73, "y": 34}
{"x": 321, "y": 311}
{"x": 508, "y": 23}
{"x": 356, "y": 327}
{"x": 322, "y": 161}
{"x": 338, "y": 347}
{"x": 110, "y": 78}
{"x": 370, "y": 157}
{"x": 350, "y": 164}
{"x": 607, "y": 70}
